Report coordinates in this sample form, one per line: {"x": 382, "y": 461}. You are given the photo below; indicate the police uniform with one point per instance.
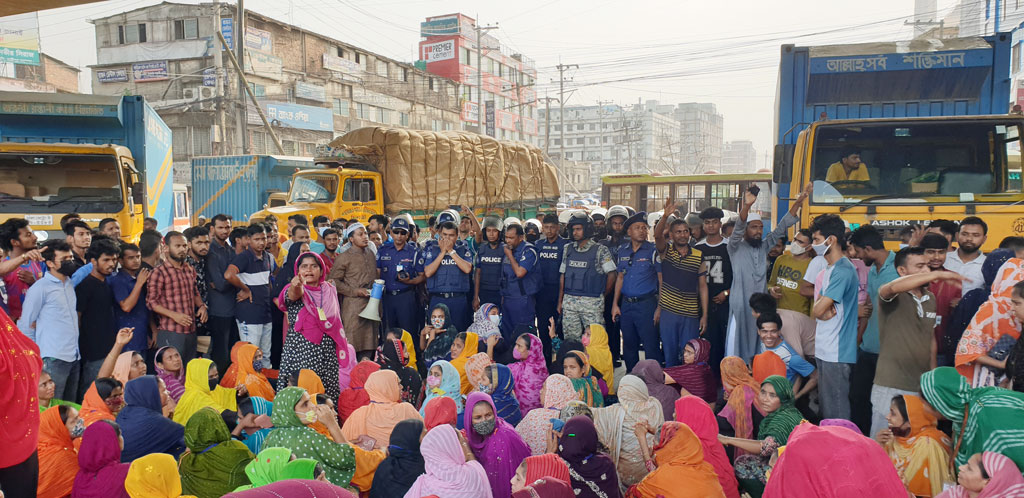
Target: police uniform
{"x": 449, "y": 284}
{"x": 550, "y": 259}
{"x": 518, "y": 295}
{"x": 488, "y": 261}
{"x": 639, "y": 272}
{"x": 586, "y": 276}
{"x": 611, "y": 326}
{"x": 399, "y": 299}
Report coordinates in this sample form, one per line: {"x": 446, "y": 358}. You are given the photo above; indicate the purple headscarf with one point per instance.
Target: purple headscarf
{"x": 838, "y": 422}
{"x": 500, "y": 453}
{"x": 651, "y": 373}
{"x": 175, "y": 382}
{"x": 529, "y": 375}
{"x": 591, "y": 472}
{"x": 100, "y": 471}
{"x": 295, "y": 488}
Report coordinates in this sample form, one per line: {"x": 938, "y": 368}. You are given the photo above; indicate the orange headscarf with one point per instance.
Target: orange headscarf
{"x": 767, "y": 364}
{"x": 123, "y": 367}
{"x": 740, "y": 389}
{"x": 58, "y": 461}
{"x": 921, "y": 458}
{"x": 231, "y": 374}
{"x": 994, "y": 319}
{"x": 311, "y": 382}
{"x": 254, "y": 381}
{"x": 459, "y": 362}
{"x": 385, "y": 410}
{"x": 94, "y": 408}
{"x": 680, "y": 459}
{"x": 475, "y": 369}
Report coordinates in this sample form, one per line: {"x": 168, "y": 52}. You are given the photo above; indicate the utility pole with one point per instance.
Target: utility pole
{"x": 547, "y": 124}
{"x": 241, "y": 118}
{"x": 480, "y": 73}
{"x": 600, "y": 129}
{"x": 219, "y": 74}
{"x": 561, "y": 105}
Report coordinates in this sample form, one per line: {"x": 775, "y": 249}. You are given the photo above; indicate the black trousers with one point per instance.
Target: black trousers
{"x": 220, "y": 333}
{"x": 718, "y": 328}
{"x": 21, "y": 480}
{"x": 612, "y": 327}
{"x": 861, "y": 378}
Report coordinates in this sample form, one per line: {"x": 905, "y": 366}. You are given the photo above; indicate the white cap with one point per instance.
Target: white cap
{"x": 752, "y": 217}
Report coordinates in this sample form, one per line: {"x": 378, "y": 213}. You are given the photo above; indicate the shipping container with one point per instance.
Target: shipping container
{"x": 239, "y": 186}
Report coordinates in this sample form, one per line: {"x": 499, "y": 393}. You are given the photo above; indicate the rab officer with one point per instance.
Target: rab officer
{"x": 520, "y": 282}
{"x": 636, "y": 293}
{"x": 447, "y": 264}
{"x": 488, "y": 264}
{"x": 396, "y": 262}
{"x": 587, "y": 274}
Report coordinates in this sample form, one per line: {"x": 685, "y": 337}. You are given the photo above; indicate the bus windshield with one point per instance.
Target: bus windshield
{"x": 899, "y": 163}
{"x": 313, "y": 188}
{"x": 44, "y": 180}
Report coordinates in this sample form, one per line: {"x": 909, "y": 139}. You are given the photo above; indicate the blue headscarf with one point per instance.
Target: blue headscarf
{"x": 143, "y": 425}
{"x": 505, "y": 403}
{"x": 451, "y": 386}
{"x": 260, "y": 406}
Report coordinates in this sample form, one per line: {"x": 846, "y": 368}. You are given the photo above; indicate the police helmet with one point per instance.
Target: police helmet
{"x": 617, "y": 210}
{"x": 598, "y": 213}
{"x": 512, "y": 220}
{"x": 448, "y": 215}
{"x": 534, "y": 224}
{"x": 653, "y": 218}
{"x": 564, "y": 216}
{"x": 491, "y": 221}
{"x": 581, "y": 218}
{"x": 630, "y": 210}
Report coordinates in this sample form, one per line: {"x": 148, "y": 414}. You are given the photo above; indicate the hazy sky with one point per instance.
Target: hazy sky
{"x": 724, "y": 52}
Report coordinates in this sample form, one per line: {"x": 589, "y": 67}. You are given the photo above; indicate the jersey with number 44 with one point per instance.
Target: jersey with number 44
{"x": 719, "y": 268}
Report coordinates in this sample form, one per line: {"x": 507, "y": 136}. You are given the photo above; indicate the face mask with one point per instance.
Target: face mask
{"x": 114, "y": 402}
{"x": 532, "y": 237}
{"x": 321, "y": 230}
{"x": 797, "y": 249}
{"x": 214, "y": 383}
{"x": 67, "y": 268}
{"x": 78, "y": 429}
{"x": 821, "y": 249}
{"x": 437, "y": 322}
{"x": 516, "y": 354}
{"x": 600, "y": 233}
{"x": 433, "y": 381}
{"x": 484, "y": 428}
{"x": 308, "y": 417}
{"x": 257, "y": 365}
{"x": 900, "y": 432}
{"x": 585, "y": 340}
{"x": 495, "y": 319}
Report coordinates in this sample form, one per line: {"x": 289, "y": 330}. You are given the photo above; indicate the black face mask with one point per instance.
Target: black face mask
{"x": 600, "y": 233}
{"x": 900, "y": 431}
{"x": 532, "y": 237}
{"x": 214, "y": 382}
{"x": 67, "y": 268}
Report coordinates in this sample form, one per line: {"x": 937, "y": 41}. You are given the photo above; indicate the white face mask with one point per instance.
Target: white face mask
{"x": 437, "y": 322}
{"x": 797, "y": 249}
{"x": 494, "y": 318}
{"x": 321, "y": 230}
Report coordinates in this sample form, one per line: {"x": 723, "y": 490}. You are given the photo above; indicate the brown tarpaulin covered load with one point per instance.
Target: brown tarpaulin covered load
{"x": 429, "y": 171}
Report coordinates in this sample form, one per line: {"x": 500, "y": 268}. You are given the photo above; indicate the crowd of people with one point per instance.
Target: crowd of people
{"x": 590, "y": 356}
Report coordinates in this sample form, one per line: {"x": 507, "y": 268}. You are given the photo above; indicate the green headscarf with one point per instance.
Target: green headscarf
{"x": 289, "y": 432}
{"x": 781, "y": 422}
{"x": 275, "y": 464}
{"x": 214, "y": 464}
{"x": 993, "y": 414}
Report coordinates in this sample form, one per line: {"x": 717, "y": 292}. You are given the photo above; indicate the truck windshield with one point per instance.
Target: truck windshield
{"x": 51, "y": 179}
{"x": 900, "y": 163}
{"x": 313, "y": 188}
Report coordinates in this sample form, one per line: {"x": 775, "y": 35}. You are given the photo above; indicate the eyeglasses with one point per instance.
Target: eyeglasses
{"x": 399, "y": 231}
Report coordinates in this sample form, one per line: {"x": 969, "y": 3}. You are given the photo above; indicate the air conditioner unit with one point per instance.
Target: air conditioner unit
{"x": 190, "y": 93}
{"x": 207, "y": 92}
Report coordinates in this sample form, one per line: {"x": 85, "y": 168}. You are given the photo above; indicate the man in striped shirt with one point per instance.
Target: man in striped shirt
{"x": 684, "y": 287}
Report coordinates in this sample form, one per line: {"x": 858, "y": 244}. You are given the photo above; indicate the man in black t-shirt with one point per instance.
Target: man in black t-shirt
{"x": 715, "y": 254}
{"x": 97, "y": 326}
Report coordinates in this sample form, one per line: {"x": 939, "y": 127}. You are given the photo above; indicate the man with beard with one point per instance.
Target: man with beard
{"x": 550, "y": 249}
{"x": 615, "y": 217}
{"x": 683, "y": 297}
{"x": 748, "y": 254}
{"x": 221, "y": 293}
{"x": 331, "y": 240}
{"x": 600, "y": 230}
{"x": 198, "y": 238}
{"x": 353, "y": 274}
{"x": 95, "y": 306}
{"x": 947, "y": 294}
{"x": 968, "y": 259}
{"x": 173, "y": 296}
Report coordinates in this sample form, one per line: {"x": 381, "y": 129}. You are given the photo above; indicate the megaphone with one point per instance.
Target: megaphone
{"x": 372, "y": 309}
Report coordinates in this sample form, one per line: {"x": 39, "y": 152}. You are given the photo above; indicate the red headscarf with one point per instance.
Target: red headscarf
{"x": 355, "y": 396}
{"x": 440, "y": 410}
{"x": 546, "y": 465}
{"x": 20, "y": 366}
{"x": 697, "y": 415}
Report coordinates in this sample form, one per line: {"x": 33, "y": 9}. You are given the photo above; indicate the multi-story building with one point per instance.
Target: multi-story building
{"x": 50, "y": 76}
{"x": 575, "y": 177}
{"x": 739, "y": 156}
{"x": 309, "y": 86}
{"x": 701, "y": 132}
{"x": 496, "y": 84}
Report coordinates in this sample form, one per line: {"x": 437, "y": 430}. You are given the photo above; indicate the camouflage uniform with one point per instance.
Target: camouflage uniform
{"x": 579, "y": 312}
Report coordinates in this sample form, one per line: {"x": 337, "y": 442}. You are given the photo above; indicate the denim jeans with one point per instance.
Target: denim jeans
{"x": 65, "y": 376}
{"x": 834, "y": 389}
{"x": 259, "y": 334}
{"x": 90, "y": 369}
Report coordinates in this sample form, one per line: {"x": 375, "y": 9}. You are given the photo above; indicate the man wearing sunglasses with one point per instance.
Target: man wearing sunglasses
{"x": 396, "y": 262}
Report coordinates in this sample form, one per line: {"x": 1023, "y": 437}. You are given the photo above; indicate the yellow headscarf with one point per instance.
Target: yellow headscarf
{"x": 407, "y": 342}
{"x": 198, "y": 395}
{"x": 154, "y": 476}
{"x": 472, "y": 343}
{"x": 601, "y": 355}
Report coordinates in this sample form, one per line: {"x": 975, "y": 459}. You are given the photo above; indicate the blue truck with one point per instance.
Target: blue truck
{"x": 239, "y": 186}
{"x": 99, "y": 156}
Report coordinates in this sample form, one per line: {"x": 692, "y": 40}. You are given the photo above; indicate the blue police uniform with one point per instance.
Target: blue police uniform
{"x": 549, "y": 256}
{"x": 488, "y": 261}
{"x": 519, "y": 294}
{"x": 639, "y": 293}
{"x": 399, "y": 299}
{"x": 449, "y": 284}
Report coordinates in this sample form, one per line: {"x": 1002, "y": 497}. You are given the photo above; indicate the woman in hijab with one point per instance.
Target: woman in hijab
{"x": 502, "y": 390}
{"x": 277, "y": 464}
{"x": 544, "y": 487}
{"x": 536, "y": 425}
{"x": 315, "y": 337}
{"x": 449, "y": 468}
{"x": 437, "y": 336}
{"x": 441, "y": 410}
{"x": 343, "y": 462}
{"x": 143, "y": 426}
{"x": 258, "y": 431}
{"x": 987, "y": 475}
{"x": 396, "y": 474}
{"x": 475, "y": 366}
{"x": 463, "y": 348}
{"x": 615, "y": 425}
{"x": 529, "y": 372}
{"x": 994, "y": 319}
{"x": 102, "y": 401}
{"x": 984, "y": 419}
{"x": 573, "y": 408}
{"x": 592, "y": 473}
{"x": 294, "y": 488}
{"x": 230, "y": 377}
{"x": 485, "y": 326}
{"x": 202, "y": 390}
{"x": 964, "y": 312}
{"x": 154, "y": 476}
{"x": 577, "y": 368}
{"x": 781, "y": 417}
{"x": 310, "y": 381}
{"x": 697, "y": 415}
{"x": 20, "y": 369}
{"x": 832, "y": 462}
{"x": 543, "y": 475}
{"x": 391, "y": 356}
{"x": 58, "y": 461}
{"x": 741, "y": 397}
{"x": 678, "y": 458}
{"x": 918, "y": 449}
{"x": 288, "y": 268}
{"x": 766, "y": 364}
{"x": 694, "y": 375}
{"x": 385, "y": 410}
{"x": 250, "y": 366}
{"x": 214, "y": 464}
{"x": 443, "y": 380}
{"x": 129, "y": 365}
{"x": 355, "y": 396}
{"x": 100, "y": 471}
{"x": 495, "y": 443}
{"x": 169, "y": 368}
{"x": 653, "y": 376}
{"x": 595, "y": 339}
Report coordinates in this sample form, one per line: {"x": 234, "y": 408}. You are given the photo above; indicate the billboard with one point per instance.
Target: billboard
{"x": 19, "y": 39}
{"x": 310, "y": 91}
{"x": 489, "y": 117}
{"x": 258, "y": 39}
{"x": 265, "y": 65}
{"x": 210, "y": 76}
{"x": 112, "y": 75}
{"x": 440, "y": 51}
{"x": 302, "y": 117}
{"x": 227, "y": 28}
{"x": 149, "y": 71}
{"x": 440, "y": 26}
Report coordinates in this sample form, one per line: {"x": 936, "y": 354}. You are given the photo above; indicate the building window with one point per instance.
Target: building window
{"x": 361, "y": 111}
{"x": 430, "y": 83}
{"x": 341, "y": 107}
{"x": 308, "y": 149}
{"x": 259, "y": 142}
{"x": 435, "y": 124}
{"x": 579, "y": 127}
{"x": 447, "y": 126}
{"x": 405, "y": 74}
{"x": 382, "y": 68}
{"x": 258, "y": 90}
{"x": 359, "y": 58}
{"x": 558, "y": 141}
{"x": 581, "y": 141}
{"x": 131, "y": 33}
{"x": 1015, "y": 57}
{"x": 558, "y": 127}
{"x": 464, "y": 57}
{"x": 289, "y": 147}
{"x": 340, "y": 52}
{"x": 179, "y": 142}
{"x": 403, "y": 119}
{"x": 383, "y": 116}
{"x": 186, "y": 29}
{"x": 201, "y": 143}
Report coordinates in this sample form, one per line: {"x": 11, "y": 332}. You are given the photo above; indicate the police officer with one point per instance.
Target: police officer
{"x": 533, "y": 230}
{"x": 488, "y": 264}
{"x": 396, "y": 262}
{"x": 587, "y": 274}
{"x": 520, "y": 282}
{"x": 615, "y": 217}
{"x": 447, "y": 264}
{"x": 549, "y": 250}
{"x": 600, "y": 231}
{"x": 637, "y": 286}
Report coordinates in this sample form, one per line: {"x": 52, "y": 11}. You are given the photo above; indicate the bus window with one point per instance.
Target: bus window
{"x": 656, "y": 195}
{"x": 620, "y": 194}
{"x": 725, "y": 195}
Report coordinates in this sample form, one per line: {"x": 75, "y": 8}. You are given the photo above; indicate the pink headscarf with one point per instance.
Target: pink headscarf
{"x": 100, "y": 471}
{"x": 446, "y": 471}
{"x": 1005, "y": 480}
{"x": 499, "y": 453}
{"x": 529, "y": 375}
{"x": 697, "y": 415}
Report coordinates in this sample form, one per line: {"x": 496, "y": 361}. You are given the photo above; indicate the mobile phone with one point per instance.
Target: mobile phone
{"x": 754, "y": 189}
{"x": 557, "y": 425}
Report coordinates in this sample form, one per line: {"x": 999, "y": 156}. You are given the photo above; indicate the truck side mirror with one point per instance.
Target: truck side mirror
{"x": 782, "y": 164}
{"x": 364, "y": 191}
{"x": 138, "y": 193}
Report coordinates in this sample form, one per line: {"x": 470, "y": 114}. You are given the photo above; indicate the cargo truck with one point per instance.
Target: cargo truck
{"x": 379, "y": 170}
{"x": 239, "y": 186}
{"x": 929, "y": 120}
{"x": 99, "y": 156}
